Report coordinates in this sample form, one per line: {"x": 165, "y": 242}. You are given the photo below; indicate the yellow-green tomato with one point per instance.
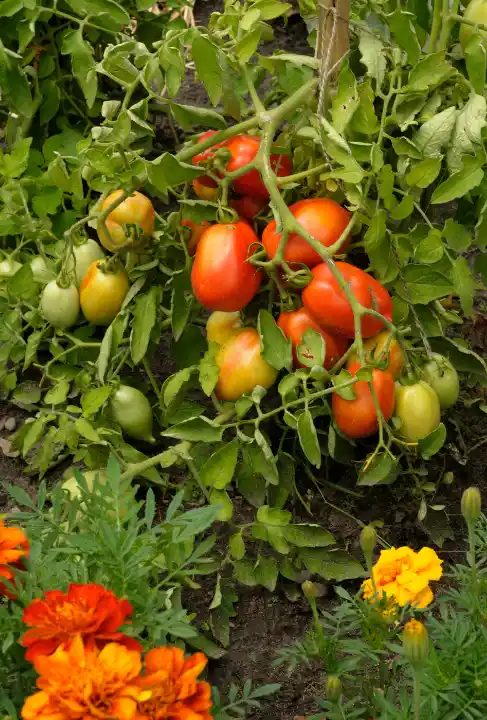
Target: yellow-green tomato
{"x": 222, "y": 325}
{"x": 136, "y": 210}
{"x": 418, "y": 409}
{"x": 132, "y": 411}
{"x": 220, "y": 497}
{"x": 42, "y": 271}
{"x": 60, "y": 305}
{"x": 242, "y": 367}
{"x": 476, "y": 12}
{"x": 102, "y": 293}
{"x": 9, "y": 267}
{"x": 443, "y": 378}
{"x": 82, "y": 257}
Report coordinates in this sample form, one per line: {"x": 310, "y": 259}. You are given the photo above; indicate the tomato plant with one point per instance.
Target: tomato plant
{"x": 329, "y": 305}
{"x": 82, "y": 257}
{"x": 128, "y": 224}
{"x": 243, "y": 150}
{"x": 322, "y": 218}
{"x": 132, "y": 411}
{"x": 358, "y": 418}
{"x": 102, "y": 292}
{"x": 418, "y": 409}
{"x": 295, "y": 323}
{"x": 60, "y": 305}
{"x": 222, "y": 278}
{"x": 241, "y": 367}
{"x": 385, "y": 350}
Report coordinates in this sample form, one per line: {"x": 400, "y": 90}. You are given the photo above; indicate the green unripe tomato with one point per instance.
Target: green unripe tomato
{"x": 443, "y": 378}
{"x": 82, "y": 257}
{"x": 132, "y": 411}
{"x": 60, "y": 306}
{"x": 42, "y": 272}
{"x": 476, "y": 12}
{"x": 418, "y": 409}
{"x": 9, "y": 267}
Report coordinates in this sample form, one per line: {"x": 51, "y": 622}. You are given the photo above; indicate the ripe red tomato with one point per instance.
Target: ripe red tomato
{"x": 197, "y": 230}
{"x": 248, "y": 207}
{"x": 323, "y": 218}
{"x": 222, "y": 278}
{"x": 357, "y": 418}
{"x": 328, "y": 305}
{"x": 242, "y": 366}
{"x": 202, "y": 157}
{"x": 244, "y": 148}
{"x": 294, "y": 325}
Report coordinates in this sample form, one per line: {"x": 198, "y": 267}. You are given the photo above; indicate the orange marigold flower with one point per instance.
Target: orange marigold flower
{"x": 81, "y": 683}
{"x": 170, "y": 689}
{"x": 404, "y": 575}
{"x": 13, "y": 547}
{"x": 91, "y": 611}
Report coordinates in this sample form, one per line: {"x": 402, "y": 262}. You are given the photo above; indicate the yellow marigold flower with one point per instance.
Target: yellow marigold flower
{"x": 404, "y": 575}
{"x": 78, "y": 683}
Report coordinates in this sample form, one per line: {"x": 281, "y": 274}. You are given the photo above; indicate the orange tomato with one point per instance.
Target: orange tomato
{"x": 242, "y": 366}
{"x": 137, "y": 210}
{"x": 357, "y": 418}
{"x": 294, "y": 325}
{"x": 205, "y": 188}
{"x": 221, "y": 326}
{"x": 323, "y": 218}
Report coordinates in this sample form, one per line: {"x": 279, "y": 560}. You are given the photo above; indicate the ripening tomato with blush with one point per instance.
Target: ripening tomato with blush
{"x": 248, "y": 207}
{"x": 357, "y": 418}
{"x": 221, "y": 326}
{"x": 222, "y": 278}
{"x": 197, "y": 230}
{"x": 102, "y": 292}
{"x": 242, "y": 367}
{"x": 243, "y": 149}
{"x": 136, "y": 210}
{"x": 328, "y": 305}
{"x": 322, "y": 218}
{"x": 294, "y": 325}
{"x": 383, "y": 349}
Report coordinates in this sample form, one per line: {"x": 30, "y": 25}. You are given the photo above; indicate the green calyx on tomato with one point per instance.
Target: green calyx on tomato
{"x": 137, "y": 211}
{"x": 322, "y": 218}
{"x": 328, "y": 305}
{"x": 357, "y": 418}
{"x": 222, "y": 278}
{"x": 81, "y": 258}
{"x": 418, "y": 409}
{"x": 242, "y": 367}
{"x": 102, "y": 292}
{"x": 443, "y": 378}
{"x": 132, "y": 411}
{"x": 60, "y": 305}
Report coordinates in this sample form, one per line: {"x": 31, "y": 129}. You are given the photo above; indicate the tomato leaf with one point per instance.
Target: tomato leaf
{"x": 167, "y": 172}
{"x": 436, "y": 132}
{"x": 273, "y": 516}
{"x": 306, "y": 535}
{"x": 198, "y": 429}
{"x": 401, "y": 24}
{"x": 312, "y": 350}
{"x": 346, "y": 99}
{"x": 207, "y": 62}
{"x": 433, "y": 443}
{"x": 464, "y": 283}
{"x": 143, "y": 322}
{"x": 461, "y": 182}
{"x": 266, "y": 572}
{"x": 424, "y": 284}
{"x": 276, "y": 348}
{"x": 189, "y": 115}
{"x": 218, "y": 470}
{"x": 181, "y": 303}
{"x": 476, "y": 62}
{"x": 424, "y": 173}
{"x": 308, "y": 438}
{"x": 331, "y": 564}
{"x": 383, "y": 470}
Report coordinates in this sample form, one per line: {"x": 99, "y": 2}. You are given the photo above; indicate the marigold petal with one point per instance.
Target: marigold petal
{"x": 168, "y": 658}
{"x": 124, "y": 708}
{"x": 423, "y": 599}
{"x": 34, "y": 704}
{"x": 41, "y": 647}
{"x": 201, "y": 700}
{"x": 428, "y": 562}
{"x": 412, "y": 582}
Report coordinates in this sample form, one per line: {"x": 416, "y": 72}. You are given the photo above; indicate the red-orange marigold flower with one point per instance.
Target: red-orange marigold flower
{"x": 13, "y": 547}
{"x": 170, "y": 689}
{"x": 81, "y": 683}
{"x": 91, "y": 611}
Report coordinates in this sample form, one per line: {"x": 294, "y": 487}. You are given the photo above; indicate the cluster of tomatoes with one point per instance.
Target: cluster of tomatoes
{"x": 224, "y": 281}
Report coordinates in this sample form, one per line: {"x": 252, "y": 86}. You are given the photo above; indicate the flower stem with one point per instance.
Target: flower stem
{"x": 417, "y": 695}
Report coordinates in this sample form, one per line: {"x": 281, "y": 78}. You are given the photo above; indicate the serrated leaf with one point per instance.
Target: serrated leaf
{"x": 461, "y": 182}
{"x": 424, "y": 173}
{"x": 435, "y": 134}
{"x": 425, "y": 284}
{"x": 308, "y": 438}
{"x": 167, "y": 172}
{"x": 372, "y": 51}
{"x": 207, "y": 62}
{"x": 143, "y": 321}
{"x": 276, "y": 348}
{"x": 429, "y": 72}
{"x": 346, "y": 99}
{"x": 218, "y": 470}
{"x": 94, "y": 399}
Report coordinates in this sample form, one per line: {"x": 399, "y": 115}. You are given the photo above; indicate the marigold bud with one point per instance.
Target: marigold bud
{"x": 471, "y": 504}
{"x": 415, "y": 642}
{"x": 309, "y": 589}
{"x": 333, "y": 688}
{"x": 368, "y": 540}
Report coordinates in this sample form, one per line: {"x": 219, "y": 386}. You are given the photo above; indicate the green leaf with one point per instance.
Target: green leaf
{"x": 47, "y": 201}
{"x": 307, "y": 535}
{"x": 51, "y": 98}
{"x": 57, "y": 394}
{"x": 461, "y": 182}
{"x": 266, "y": 572}
{"x": 15, "y": 86}
{"x": 248, "y": 43}
{"x": 404, "y": 209}
{"x": 276, "y": 348}
{"x": 312, "y": 349}
{"x": 383, "y": 470}
{"x": 197, "y": 429}
{"x": 143, "y": 321}
{"x": 10, "y": 7}
{"x": 331, "y": 564}
{"x": 346, "y": 99}
{"x": 83, "y": 63}
{"x": 308, "y": 438}
{"x": 16, "y": 163}
{"x": 429, "y": 72}
{"x": 87, "y": 430}
{"x": 376, "y": 230}
{"x": 181, "y": 303}
{"x": 467, "y": 137}
{"x": 476, "y": 62}
{"x": 244, "y": 573}
{"x": 22, "y": 285}
{"x": 347, "y": 393}
{"x": 271, "y": 9}
{"x": 167, "y": 172}
{"x": 209, "y": 370}
{"x": 171, "y": 390}
{"x": 33, "y": 342}
{"x": 218, "y": 470}
{"x": 457, "y": 236}
{"x": 430, "y": 249}
{"x": 424, "y": 173}
{"x": 464, "y": 283}
{"x": 372, "y": 51}
{"x": 364, "y": 119}
{"x": 432, "y": 444}
{"x": 207, "y": 62}
{"x": 94, "y": 399}
{"x": 424, "y": 284}
{"x": 273, "y": 516}
{"x": 188, "y": 115}
{"x": 401, "y": 24}
{"x": 236, "y": 546}
{"x": 97, "y": 7}
{"x": 435, "y": 134}
{"x": 405, "y": 146}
